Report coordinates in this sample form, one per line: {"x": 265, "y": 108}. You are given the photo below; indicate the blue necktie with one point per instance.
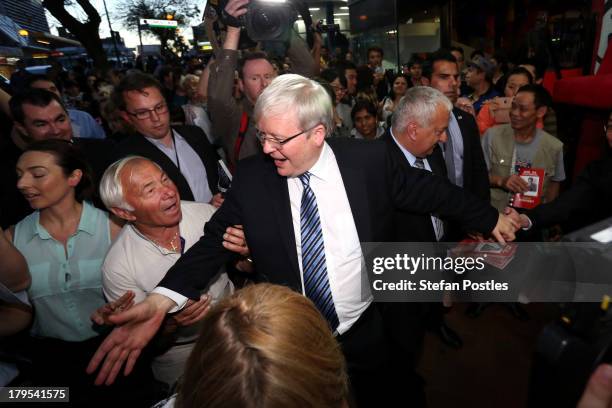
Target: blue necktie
{"x": 316, "y": 282}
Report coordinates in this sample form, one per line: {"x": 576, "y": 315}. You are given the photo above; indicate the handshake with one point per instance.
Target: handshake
{"x": 508, "y": 223}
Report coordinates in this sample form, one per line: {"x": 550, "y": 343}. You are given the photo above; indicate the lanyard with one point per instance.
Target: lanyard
{"x": 178, "y": 163}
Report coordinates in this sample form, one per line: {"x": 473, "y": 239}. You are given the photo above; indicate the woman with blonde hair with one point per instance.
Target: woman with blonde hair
{"x": 265, "y": 346}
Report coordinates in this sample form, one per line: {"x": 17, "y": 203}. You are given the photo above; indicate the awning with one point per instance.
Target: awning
{"x": 53, "y": 41}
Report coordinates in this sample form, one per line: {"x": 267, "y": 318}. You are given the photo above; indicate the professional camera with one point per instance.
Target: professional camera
{"x": 321, "y": 27}
{"x": 568, "y": 351}
{"x": 265, "y": 20}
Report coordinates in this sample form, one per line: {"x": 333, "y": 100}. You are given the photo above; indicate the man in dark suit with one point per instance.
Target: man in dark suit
{"x": 315, "y": 202}
{"x": 465, "y": 163}
{"x": 183, "y": 152}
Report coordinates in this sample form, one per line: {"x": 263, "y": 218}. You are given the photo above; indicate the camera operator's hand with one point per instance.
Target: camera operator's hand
{"x": 236, "y": 8}
{"x": 598, "y": 392}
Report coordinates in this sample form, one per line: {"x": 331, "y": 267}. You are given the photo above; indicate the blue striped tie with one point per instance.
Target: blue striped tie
{"x": 316, "y": 282}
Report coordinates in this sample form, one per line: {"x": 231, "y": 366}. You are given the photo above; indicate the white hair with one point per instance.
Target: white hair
{"x": 111, "y": 189}
{"x": 418, "y": 105}
{"x": 308, "y": 98}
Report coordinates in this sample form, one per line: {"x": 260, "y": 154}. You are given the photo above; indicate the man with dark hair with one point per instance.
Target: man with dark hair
{"x": 183, "y": 152}
{"x": 40, "y": 115}
{"x": 479, "y": 77}
{"x": 83, "y": 124}
{"x": 375, "y": 58}
{"x": 465, "y": 162}
{"x": 232, "y": 120}
{"x": 520, "y": 144}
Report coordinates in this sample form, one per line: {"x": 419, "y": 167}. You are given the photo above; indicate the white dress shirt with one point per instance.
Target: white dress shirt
{"x": 342, "y": 247}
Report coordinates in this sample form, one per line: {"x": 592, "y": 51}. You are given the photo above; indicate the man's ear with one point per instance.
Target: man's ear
{"x": 541, "y": 112}
{"x": 241, "y": 85}
{"x": 123, "y": 214}
{"x": 124, "y": 115}
{"x": 21, "y": 129}
{"x": 318, "y": 134}
{"x": 411, "y": 131}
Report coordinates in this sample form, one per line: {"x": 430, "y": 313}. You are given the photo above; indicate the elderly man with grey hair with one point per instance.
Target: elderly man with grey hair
{"x": 316, "y": 200}
{"x": 159, "y": 229}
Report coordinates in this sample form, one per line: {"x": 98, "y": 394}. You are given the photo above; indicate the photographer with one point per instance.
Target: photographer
{"x": 231, "y": 119}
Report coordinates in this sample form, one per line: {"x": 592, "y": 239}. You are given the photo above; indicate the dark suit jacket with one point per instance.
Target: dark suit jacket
{"x": 411, "y": 227}
{"x": 587, "y": 201}
{"x": 475, "y": 173}
{"x": 138, "y": 145}
{"x": 259, "y": 200}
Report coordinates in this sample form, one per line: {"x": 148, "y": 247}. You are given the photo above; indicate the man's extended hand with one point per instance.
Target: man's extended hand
{"x": 102, "y": 314}
{"x": 598, "y": 392}
{"x": 505, "y": 229}
{"x": 520, "y": 219}
{"x": 193, "y": 311}
{"x": 135, "y": 328}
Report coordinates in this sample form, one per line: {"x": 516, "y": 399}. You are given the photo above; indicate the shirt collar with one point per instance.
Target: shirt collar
{"x": 411, "y": 158}
{"x": 320, "y": 169}
{"x": 86, "y": 224}
{"x": 156, "y": 142}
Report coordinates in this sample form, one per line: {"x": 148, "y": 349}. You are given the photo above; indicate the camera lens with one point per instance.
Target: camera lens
{"x": 268, "y": 22}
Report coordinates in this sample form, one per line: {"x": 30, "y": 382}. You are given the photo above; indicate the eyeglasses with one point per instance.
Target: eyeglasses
{"x": 339, "y": 88}
{"x": 146, "y": 113}
{"x": 276, "y": 142}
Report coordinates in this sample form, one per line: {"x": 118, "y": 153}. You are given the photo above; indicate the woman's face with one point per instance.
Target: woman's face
{"x": 42, "y": 182}
{"x": 514, "y": 84}
{"x": 400, "y": 86}
{"x": 339, "y": 90}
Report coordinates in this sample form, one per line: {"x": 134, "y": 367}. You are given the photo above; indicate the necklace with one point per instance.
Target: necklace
{"x": 174, "y": 243}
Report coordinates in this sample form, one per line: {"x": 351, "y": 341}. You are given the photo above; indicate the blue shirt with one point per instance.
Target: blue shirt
{"x": 65, "y": 290}
{"x": 85, "y": 126}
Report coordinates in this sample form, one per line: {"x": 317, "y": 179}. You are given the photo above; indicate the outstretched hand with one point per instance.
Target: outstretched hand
{"x": 505, "y": 229}
{"x": 102, "y": 314}
{"x": 135, "y": 328}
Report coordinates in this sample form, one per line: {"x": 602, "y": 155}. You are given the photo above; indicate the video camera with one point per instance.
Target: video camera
{"x": 321, "y": 27}
{"x": 266, "y": 20}
{"x": 567, "y": 353}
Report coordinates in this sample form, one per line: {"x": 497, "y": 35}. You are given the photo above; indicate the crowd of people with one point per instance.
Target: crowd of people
{"x": 126, "y": 252}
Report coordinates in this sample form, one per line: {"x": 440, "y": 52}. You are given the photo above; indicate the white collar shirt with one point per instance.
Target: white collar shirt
{"x": 343, "y": 253}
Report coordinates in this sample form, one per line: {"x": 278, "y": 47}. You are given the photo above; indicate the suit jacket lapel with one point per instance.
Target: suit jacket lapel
{"x": 278, "y": 193}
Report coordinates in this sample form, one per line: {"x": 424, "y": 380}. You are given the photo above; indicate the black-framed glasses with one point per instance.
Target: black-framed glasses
{"x": 276, "y": 142}
{"x": 146, "y": 113}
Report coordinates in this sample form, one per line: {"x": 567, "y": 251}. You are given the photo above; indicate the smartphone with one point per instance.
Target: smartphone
{"x": 502, "y": 112}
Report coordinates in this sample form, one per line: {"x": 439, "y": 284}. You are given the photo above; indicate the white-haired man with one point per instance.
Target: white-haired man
{"x": 315, "y": 203}
{"x": 159, "y": 229}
